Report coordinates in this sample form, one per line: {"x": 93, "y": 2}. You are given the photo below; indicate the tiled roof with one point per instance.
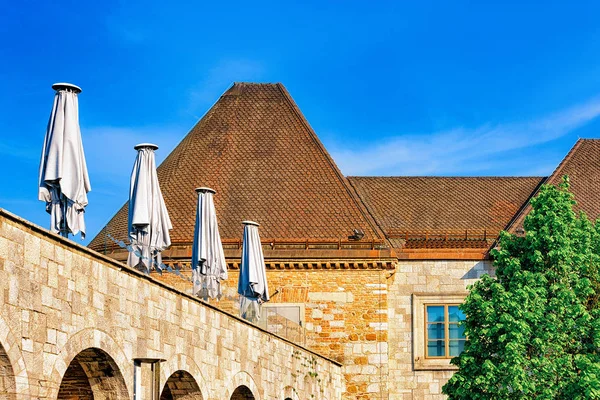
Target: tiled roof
{"x": 582, "y": 166}
{"x": 419, "y": 205}
{"x": 258, "y": 152}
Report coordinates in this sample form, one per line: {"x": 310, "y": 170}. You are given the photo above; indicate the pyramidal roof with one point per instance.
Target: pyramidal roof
{"x": 256, "y": 149}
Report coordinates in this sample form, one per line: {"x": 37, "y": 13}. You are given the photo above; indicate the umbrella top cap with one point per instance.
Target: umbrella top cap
{"x": 145, "y": 146}
{"x": 66, "y": 86}
{"x": 205, "y": 190}
{"x": 250, "y": 223}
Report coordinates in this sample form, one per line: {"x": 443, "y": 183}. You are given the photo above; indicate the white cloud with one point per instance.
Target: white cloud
{"x": 460, "y": 150}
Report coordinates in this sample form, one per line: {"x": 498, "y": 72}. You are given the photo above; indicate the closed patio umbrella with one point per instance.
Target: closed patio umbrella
{"x": 148, "y": 219}
{"x": 63, "y": 178}
{"x": 208, "y": 260}
{"x": 252, "y": 284}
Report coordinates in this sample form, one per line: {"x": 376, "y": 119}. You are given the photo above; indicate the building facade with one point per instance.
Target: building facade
{"x": 365, "y": 271}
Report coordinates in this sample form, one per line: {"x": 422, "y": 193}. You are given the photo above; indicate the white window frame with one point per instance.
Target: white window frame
{"x": 419, "y": 302}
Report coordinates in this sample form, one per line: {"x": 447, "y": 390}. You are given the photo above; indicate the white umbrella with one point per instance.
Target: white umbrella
{"x": 208, "y": 260}
{"x": 148, "y": 219}
{"x": 63, "y": 180}
{"x": 252, "y": 284}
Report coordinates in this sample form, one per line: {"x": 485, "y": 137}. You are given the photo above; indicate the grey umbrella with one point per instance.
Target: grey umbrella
{"x": 148, "y": 219}
{"x": 252, "y": 283}
{"x": 63, "y": 179}
{"x": 208, "y": 260}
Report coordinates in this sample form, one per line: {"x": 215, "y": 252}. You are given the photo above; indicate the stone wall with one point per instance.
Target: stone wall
{"x": 364, "y": 319}
{"x": 345, "y": 317}
{"x": 65, "y": 308}
{"x": 410, "y": 378}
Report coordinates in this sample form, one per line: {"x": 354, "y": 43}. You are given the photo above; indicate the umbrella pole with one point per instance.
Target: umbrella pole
{"x": 64, "y": 229}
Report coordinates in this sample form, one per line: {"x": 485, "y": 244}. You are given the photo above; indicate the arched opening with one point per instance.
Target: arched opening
{"x": 92, "y": 374}
{"x": 8, "y": 384}
{"x": 181, "y": 386}
{"x": 242, "y": 393}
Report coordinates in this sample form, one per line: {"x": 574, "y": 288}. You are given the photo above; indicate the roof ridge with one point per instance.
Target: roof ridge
{"x": 520, "y": 215}
{"x": 371, "y": 212}
{"x": 346, "y": 184}
{"x": 255, "y": 83}
{"x": 567, "y": 158}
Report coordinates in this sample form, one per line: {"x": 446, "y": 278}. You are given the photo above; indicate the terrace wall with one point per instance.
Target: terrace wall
{"x": 68, "y": 314}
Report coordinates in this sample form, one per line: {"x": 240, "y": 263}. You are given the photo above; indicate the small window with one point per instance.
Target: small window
{"x": 284, "y": 319}
{"x": 444, "y": 336}
{"x": 437, "y": 334}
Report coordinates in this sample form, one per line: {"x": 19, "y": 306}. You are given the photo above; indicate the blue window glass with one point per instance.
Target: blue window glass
{"x": 435, "y": 314}
{"x": 445, "y": 336}
{"x": 436, "y": 348}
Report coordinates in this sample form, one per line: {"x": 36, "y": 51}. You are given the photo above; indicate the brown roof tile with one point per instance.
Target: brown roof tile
{"x": 258, "y": 152}
{"x": 443, "y": 204}
{"x": 582, "y": 166}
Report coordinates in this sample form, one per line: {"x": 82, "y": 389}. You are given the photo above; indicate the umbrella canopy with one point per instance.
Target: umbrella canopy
{"x": 148, "y": 219}
{"x": 252, "y": 284}
{"x": 63, "y": 179}
{"x": 208, "y": 260}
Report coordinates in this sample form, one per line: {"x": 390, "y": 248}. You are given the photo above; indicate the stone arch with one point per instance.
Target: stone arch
{"x": 92, "y": 339}
{"x": 242, "y": 392}
{"x": 13, "y": 364}
{"x": 8, "y": 383}
{"x": 242, "y": 385}
{"x": 181, "y": 385}
{"x": 289, "y": 394}
{"x": 182, "y": 363}
{"x": 92, "y": 374}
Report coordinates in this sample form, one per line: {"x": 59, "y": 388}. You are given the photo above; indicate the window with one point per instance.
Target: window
{"x": 290, "y": 313}
{"x": 284, "y": 319}
{"x": 437, "y": 336}
{"x": 443, "y": 335}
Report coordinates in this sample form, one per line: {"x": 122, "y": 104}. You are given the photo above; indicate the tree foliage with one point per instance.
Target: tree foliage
{"x": 533, "y": 330}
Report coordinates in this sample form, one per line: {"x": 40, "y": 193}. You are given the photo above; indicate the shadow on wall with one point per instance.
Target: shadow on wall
{"x": 480, "y": 269}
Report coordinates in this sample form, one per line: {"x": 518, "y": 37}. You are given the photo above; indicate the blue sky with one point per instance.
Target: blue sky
{"x": 391, "y": 88}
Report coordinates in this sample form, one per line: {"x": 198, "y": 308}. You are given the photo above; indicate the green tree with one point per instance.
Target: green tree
{"x": 533, "y": 330}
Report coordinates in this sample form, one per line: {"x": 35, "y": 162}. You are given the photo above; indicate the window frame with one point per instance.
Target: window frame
{"x": 421, "y": 361}
{"x": 447, "y": 339}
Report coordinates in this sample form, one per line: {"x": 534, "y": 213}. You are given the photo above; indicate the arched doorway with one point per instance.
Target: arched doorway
{"x": 8, "y": 384}
{"x": 242, "y": 393}
{"x": 92, "y": 374}
{"x": 181, "y": 386}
